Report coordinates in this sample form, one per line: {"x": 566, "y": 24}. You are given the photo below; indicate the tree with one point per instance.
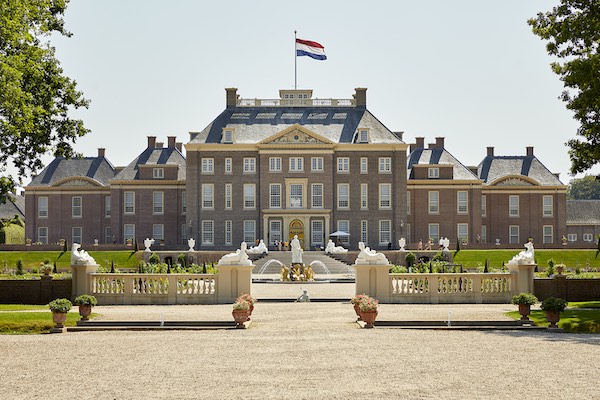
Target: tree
{"x": 586, "y": 188}
{"x": 572, "y": 30}
{"x": 35, "y": 96}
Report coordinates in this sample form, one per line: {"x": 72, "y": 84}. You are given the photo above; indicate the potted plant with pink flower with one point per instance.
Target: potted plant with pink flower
{"x": 355, "y": 301}
{"x": 241, "y": 311}
{"x": 368, "y": 311}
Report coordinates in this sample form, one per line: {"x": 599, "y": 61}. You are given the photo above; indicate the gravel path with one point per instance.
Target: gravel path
{"x": 301, "y": 351}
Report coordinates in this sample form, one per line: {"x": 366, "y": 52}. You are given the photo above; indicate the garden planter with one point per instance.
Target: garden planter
{"x": 59, "y": 319}
{"x": 553, "y": 317}
{"x": 368, "y": 317}
{"x": 357, "y": 311}
{"x": 240, "y": 316}
{"x": 559, "y": 269}
{"x": 250, "y": 311}
{"x": 524, "y": 310}
{"x": 85, "y": 310}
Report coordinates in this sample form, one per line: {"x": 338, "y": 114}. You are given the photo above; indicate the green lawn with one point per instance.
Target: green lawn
{"x": 571, "y": 258}
{"x": 22, "y": 307}
{"x": 32, "y": 322}
{"x": 32, "y": 259}
{"x": 579, "y": 317}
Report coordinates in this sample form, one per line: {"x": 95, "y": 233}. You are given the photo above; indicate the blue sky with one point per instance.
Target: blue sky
{"x": 470, "y": 71}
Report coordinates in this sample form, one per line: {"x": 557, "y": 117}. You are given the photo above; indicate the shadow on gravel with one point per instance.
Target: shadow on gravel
{"x": 577, "y": 338}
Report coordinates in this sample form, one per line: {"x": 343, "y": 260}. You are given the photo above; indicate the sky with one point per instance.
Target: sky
{"x": 470, "y": 71}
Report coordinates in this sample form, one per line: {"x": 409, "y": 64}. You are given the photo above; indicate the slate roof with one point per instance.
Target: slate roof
{"x": 438, "y": 156}
{"x": 254, "y": 124}
{"x": 98, "y": 168}
{"x": 495, "y": 167}
{"x": 153, "y": 156}
{"x": 9, "y": 209}
{"x": 583, "y": 212}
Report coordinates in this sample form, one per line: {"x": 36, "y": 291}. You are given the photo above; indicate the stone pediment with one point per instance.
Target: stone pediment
{"x": 296, "y": 134}
{"x": 77, "y": 181}
{"x": 514, "y": 181}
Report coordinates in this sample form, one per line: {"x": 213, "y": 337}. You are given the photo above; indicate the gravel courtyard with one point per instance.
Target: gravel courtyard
{"x": 301, "y": 351}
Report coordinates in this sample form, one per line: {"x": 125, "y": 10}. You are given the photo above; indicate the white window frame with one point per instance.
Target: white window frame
{"x": 228, "y": 166}
{"x": 433, "y": 230}
{"x": 208, "y": 166}
{"x": 228, "y": 232}
{"x": 464, "y": 235}
{"x": 274, "y": 164}
{"x": 316, "y": 164}
{"x": 275, "y": 195}
{"x": 158, "y": 232}
{"x": 407, "y": 202}
{"x": 364, "y": 231}
{"x": 572, "y": 237}
{"x": 364, "y": 196}
{"x": 483, "y": 205}
{"x": 228, "y": 196}
{"x": 158, "y": 173}
{"x": 385, "y": 235}
{"x": 433, "y": 173}
{"x": 250, "y": 232}
{"x": 316, "y": 191}
{"x": 208, "y": 233}
{"x": 364, "y": 165}
{"x": 275, "y": 231}
{"x": 129, "y": 204}
{"x": 249, "y": 165}
{"x": 433, "y": 202}
{"x": 128, "y": 235}
{"x": 343, "y": 196}
{"x": 42, "y": 207}
{"x": 548, "y": 234}
{"x": 249, "y": 196}
{"x": 363, "y": 136}
{"x": 343, "y": 165}
{"x": 548, "y": 205}
{"x": 208, "y": 196}
{"x": 227, "y": 136}
{"x": 107, "y": 234}
{"x": 317, "y": 233}
{"x": 513, "y": 206}
{"x": 483, "y": 234}
{"x": 296, "y": 164}
{"x": 183, "y": 203}
{"x": 158, "y": 203}
{"x": 42, "y": 234}
{"x": 385, "y": 200}
{"x": 293, "y": 195}
{"x": 76, "y": 209}
{"x": 107, "y": 207}
{"x": 344, "y": 226}
{"x": 588, "y": 237}
{"x": 184, "y": 237}
{"x": 462, "y": 204}
{"x": 385, "y": 165}
{"x": 76, "y": 234}
{"x": 514, "y": 233}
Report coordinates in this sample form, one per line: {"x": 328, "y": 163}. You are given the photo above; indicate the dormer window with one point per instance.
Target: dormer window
{"x": 227, "y": 136}
{"x": 363, "y": 136}
{"x": 158, "y": 173}
{"x": 433, "y": 173}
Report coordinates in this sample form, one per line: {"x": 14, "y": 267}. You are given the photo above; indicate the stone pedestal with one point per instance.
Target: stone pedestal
{"x": 522, "y": 277}
{"x": 81, "y": 279}
{"x": 233, "y": 280}
{"x": 373, "y": 280}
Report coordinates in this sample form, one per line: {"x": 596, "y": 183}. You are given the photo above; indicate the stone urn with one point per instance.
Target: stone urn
{"x": 524, "y": 310}
{"x": 369, "y": 318}
{"x": 240, "y": 316}
{"x": 357, "y": 311}
{"x": 59, "y": 319}
{"x": 553, "y": 317}
{"x": 560, "y": 269}
{"x": 85, "y": 310}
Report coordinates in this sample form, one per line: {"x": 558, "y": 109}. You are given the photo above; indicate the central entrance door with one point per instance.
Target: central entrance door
{"x": 297, "y": 228}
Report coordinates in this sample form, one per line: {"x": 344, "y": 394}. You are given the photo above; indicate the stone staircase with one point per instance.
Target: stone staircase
{"x": 329, "y": 267}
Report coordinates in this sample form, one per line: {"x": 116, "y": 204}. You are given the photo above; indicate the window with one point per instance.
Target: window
{"x": 250, "y": 232}
{"x": 228, "y": 166}
{"x": 107, "y": 207}
{"x": 513, "y": 234}
{"x": 588, "y": 237}
{"x": 408, "y": 202}
{"x": 227, "y": 136}
{"x": 129, "y": 203}
{"x": 344, "y": 226}
{"x": 274, "y": 231}
{"x": 158, "y": 231}
{"x": 548, "y": 233}
{"x": 42, "y": 235}
{"x": 108, "y": 235}
{"x": 462, "y": 231}
{"x": 158, "y": 199}
{"x": 408, "y": 233}
{"x": 364, "y": 165}
{"x": 434, "y": 232}
{"x": 316, "y": 164}
{"x": 184, "y": 234}
{"x": 42, "y": 207}
{"x": 434, "y": 202}
{"x": 296, "y": 164}
{"x": 363, "y": 136}
{"x": 364, "y": 196}
{"x": 462, "y": 201}
{"x": 316, "y": 233}
{"x": 385, "y": 165}
{"x": 385, "y": 195}
{"x": 228, "y": 236}
{"x": 364, "y": 230}
{"x": 249, "y": 195}
{"x": 433, "y": 173}
{"x": 483, "y": 234}
{"x": 317, "y": 195}
{"x": 483, "y": 205}
{"x": 343, "y": 165}
{"x": 343, "y": 195}
{"x": 572, "y": 237}
{"x": 249, "y": 165}
{"x": 208, "y": 234}
{"x": 385, "y": 232}
{"x": 275, "y": 195}
{"x": 296, "y": 200}
{"x": 275, "y": 164}
{"x": 183, "y": 203}
{"x": 208, "y": 165}
{"x": 548, "y": 206}
{"x": 76, "y": 207}
{"x": 128, "y": 232}
{"x": 76, "y": 234}
{"x": 228, "y": 189}
{"x": 208, "y": 196}
{"x": 513, "y": 206}
{"x": 158, "y": 173}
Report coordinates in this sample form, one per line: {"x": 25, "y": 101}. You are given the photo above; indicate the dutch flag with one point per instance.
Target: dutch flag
{"x": 311, "y": 49}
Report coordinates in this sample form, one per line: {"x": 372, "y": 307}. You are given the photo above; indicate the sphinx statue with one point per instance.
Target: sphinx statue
{"x": 261, "y": 248}
{"x": 331, "y": 248}
{"x": 239, "y": 257}
{"x": 80, "y": 257}
{"x": 368, "y": 256}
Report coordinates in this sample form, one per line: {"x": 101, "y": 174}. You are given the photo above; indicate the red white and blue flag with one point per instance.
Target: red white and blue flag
{"x": 311, "y": 49}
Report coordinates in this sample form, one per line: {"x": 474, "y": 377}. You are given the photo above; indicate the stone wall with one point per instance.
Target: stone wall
{"x": 569, "y": 289}
{"x": 34, "y": 291}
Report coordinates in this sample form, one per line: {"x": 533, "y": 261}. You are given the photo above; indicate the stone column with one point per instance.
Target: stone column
{"x": 232, "y": 281}
{"x": 81, "y": 279}
{"x": 373, "y": 280}
{"x": 522, "y": 277}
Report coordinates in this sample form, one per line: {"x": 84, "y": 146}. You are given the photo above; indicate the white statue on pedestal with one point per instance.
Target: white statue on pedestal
{"x": 331, "y": 248}
{"x": 238, "y": 258}
{"x": 296, "y": 250}
{"x": 368, "y": 256}
{"x": 80, "y": 257}
{"x": 524, "y": 257}
{"x": 191, "y": 244}
{"x": 147, "y": 244}
{"x": 260, "y": 249}
{"x": 402, "y": 243}
{"x": 446, "y": 244}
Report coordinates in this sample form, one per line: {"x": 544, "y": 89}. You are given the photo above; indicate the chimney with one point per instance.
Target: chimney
{"x": 151, "y": 142}
{"x": 529, "y": 150}
{"x": 431, "y": 145}
{"x": 179, "y": 146}
{"x": 159, "y": 145}
{"x": 490, "y": 151}
{"x": 361, "y": 97}
{"x": 101, "y": 152}
{"x": 231, "y": 97}
{"x": 439, "y": 142}
{"x": 171, "y": 141}
{"x": 420, "y": 142}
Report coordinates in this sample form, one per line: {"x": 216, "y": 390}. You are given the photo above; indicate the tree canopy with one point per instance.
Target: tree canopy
{"x": 572, "y": 30}
{"x": 586, "y": 188}
{"x": 35, "y": 96}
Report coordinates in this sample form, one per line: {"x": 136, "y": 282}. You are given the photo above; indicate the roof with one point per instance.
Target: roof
{"x": 493, "y": 168}
{"x": 439, "y": 156}
{"x": 97, "y": 168}
{"x": 9, "y": 209}
{"x": 154, "y": 156}
{"x": 254, "y": 124}
{"x": 585, "y": 212}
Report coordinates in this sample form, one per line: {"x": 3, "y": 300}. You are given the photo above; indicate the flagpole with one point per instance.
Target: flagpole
{"x": 295, "y": 64}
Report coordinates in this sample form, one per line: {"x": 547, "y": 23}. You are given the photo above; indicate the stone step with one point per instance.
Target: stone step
{"x": 106, "y": 325}
{"x": 456, "y": 325}
{"x": 331, "y": 266}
